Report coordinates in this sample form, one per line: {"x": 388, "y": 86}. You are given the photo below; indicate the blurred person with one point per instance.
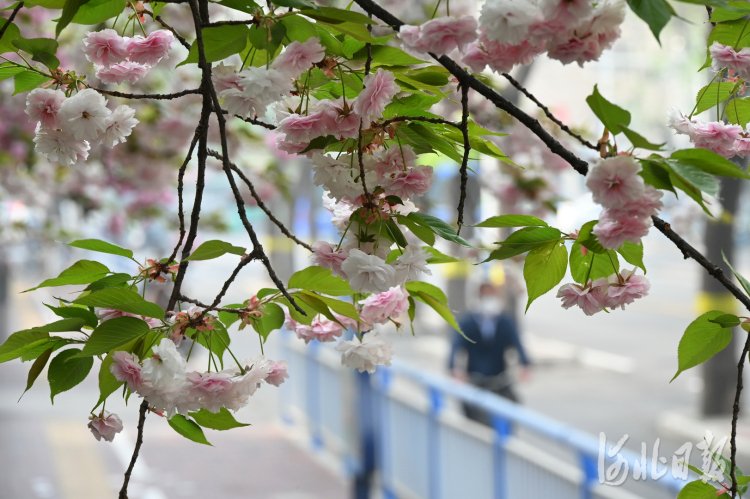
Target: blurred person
{"x": 492, "y": 331}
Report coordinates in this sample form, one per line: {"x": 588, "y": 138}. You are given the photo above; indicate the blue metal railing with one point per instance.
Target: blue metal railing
{"x": 416, "y": 453}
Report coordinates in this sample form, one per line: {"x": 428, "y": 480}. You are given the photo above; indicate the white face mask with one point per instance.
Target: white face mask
{"x": 489, "y": 306}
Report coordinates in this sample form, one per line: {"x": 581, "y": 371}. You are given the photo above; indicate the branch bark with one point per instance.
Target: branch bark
{"x": 10, "y": 19}
{"x": 138, "y": 443}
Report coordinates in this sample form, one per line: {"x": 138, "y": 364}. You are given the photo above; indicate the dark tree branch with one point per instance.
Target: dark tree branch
{"x": 229, "y": 23}
{"x": 10, "y": 19}
{"x": 547, "y": 112}
{"x": 244, "y": 261}
{"x": 138, "y": 443}
{"x": 203, "y": 305}
{"x": 465, "y": 78}
{"x": 210, "y": 94}
{"x": 260, "y": 202}
{"x": 360, "y": 157}
{"x": 735, "y": 417}
{"x": 179, "y": 37}
{"x": 252, "y": 121}
{"x": 180, "y": 184}
{"x": 467, "y": 150}
{"x": 124, "y": 95}
{"x": 437, "y": 121}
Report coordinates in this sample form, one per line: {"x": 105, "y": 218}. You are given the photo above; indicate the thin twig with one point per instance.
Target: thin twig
{"x": 360, "y": 157}
{"x": 218, "y": 309}
{"x": 10, "y": 19}
{"x": 138, "y": 443}
{"x": 498, "y": 100}
{"x": 252, "y": 121}
{"x": 124, "y": 95}
{"x": 180, "y": 186}
{"x": 735, "y": 417}
{"x": 210, "y": 91}
{"x": 179, "y": 37}
{"x": 465, "y": 159}
{"x": 439, "y": 121}
{"x": 547, "y": 113}
{"x": 244, "y": 261}
{"x": 229, "y": 23}
{"x": 260, "y": 202}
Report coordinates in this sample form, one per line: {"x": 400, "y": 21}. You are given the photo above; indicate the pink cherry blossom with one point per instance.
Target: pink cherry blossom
{"x": 649, "y": 204}
{"x": 291, "y": 148}
{"x": 105, "y": 426}
{"x": 150, "y": 50}
{"x": 741, "y": 146}
{"x": 625, "y": 288}
{"x": 724, "y": 56}
{"x": 366, "y": 354}
{"x": 299, "y": 129}
{"x": 716, "y": 136}
{"x": 119, "y": 73}
{"x": 380, "y": 88}
{"x": 225, "y": 78}
{"x": 500, "y": 57}
{"x": 615, "y": 182}
{"x": 568, "y": 11}
{"x": 325, "y": 330}
{"x": 414, "y": 181}
{"x": 679, "y": 123}
{"x": 105, "y": 47}
{"x": 299, "y": 57}
{"x": 127, "y": 368}
{"x": 327, "y": 256}
{"x": 380, "y": 308}
{"x": 508, "y": 21}
{"x": 209, "y": 390}
{"x": 589, "y": 298}
{"x": 60, "y": 147}
{"x": 613, "y": 232}
{"x": 338, "y": 119}
{"x": 106, "y": 314}
{"x": 412, "y": 38}
{"x": 42, "y": 105}
{"x": 441, "y": 36}
{"x": 368, "y": 273}
{"x": 278, "y": 372}
{"x": 394, "y": 159}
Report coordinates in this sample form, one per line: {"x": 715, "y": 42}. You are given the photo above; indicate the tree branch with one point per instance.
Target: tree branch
{"x": 180, "y": 184}
{"x": 467, "y": 150}
{"x": 735, "y": 417}
{"x": 252, "y": 121}
{"x": 229, "y": 23}
{"x": 138, "y": 443}
{"x": 203, "y": 305}
{"x": 124, "y": 95}
{"x": 10, "y": 19}
{"x": 210, "y": 93}
{"x": 179, "y": 37}
{"x": 547, "y": 113}
{"x": 260, "y": 202}
{"x": 439, "y": 121}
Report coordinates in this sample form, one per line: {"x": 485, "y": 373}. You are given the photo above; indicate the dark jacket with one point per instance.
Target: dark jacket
{"x": 487, "y": 355}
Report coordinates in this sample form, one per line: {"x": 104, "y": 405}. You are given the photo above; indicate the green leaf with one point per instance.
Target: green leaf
{"x": 65, "y": 371}
{"x": 81, "y": 272}
{"x": 124, "y": 300}
{"x": 656, "y": 13}
{"x": 512, "y": 221}
{"x": 228, "y": 318}
{"x": 101, "y": 247}
{"x": 427, "y": 289}
{"x": 223, "y": 420}
{"x": 69, "y": 12}
{"x": 438, "y": 257}
{"x": 418, "y": 227}
{"x": 90, "y": 319}
{"x": 216, "y": 341}
{"x": 698, "y": 490}
{"x": 11, "y": 33}
{"x": 298, "y": 29}
{"x": 384, "y": 55}
{"x": 36, "y": 368}
{"x": 544, "y": 268}
{"x": 21, "y": 342}
{"x": 656, "y": 175}
{"x": 214, "y": 249}
{"x": 694, "y": 176}
{"x": 588, "y": 239}
{"x": 316, "y": 304}
{"x": 438, "y": 306}
{"x": 296, "y": 4}
{"x": 726, "y": 320}
{"x": 395, "y": 234}
{"x": 738, "y": 111}
{"x": 108, "y": 384}
{"x": 701, "y": 341}
{"x": 111, "y": 281}
{"x": 331, "y": 15}
{"x": 743, "y": 282}
{"x": 710, "y": 162}
{"x": 639, "y": 141}
{"x": 310, "y": 312}
{"x": 338, "y": 306}
{"x": 740, "y": 10}
{"x": 61, "y": 326}
{"x": 270, "y": 321}
{"x": 28, "y": 80}
{"x": 8, "y": 70}
{"x": 320, "y": 280}
{"x": 600, "y": 264}
{"x": 524, "y": 240}
{"x": 633, "y": 254}
{"x": 246, "y": 6}
{"x": 36, "y": 45}
{"x": 731, "y": 33}
{"x": 188, "y": 429}
{"x": 98, "y": 11}
{"x": 440, "y": 228}
{"x": 55, "y": 343}
{"x": 712, "y": 95}
{"x": 355, "y": 30}
{"x": 113, "y": 333}
{"x": 219, "y": 43}
{"x": 609, "y": 114}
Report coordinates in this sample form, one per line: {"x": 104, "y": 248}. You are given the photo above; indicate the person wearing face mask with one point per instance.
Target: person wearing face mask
{"x": 492, "y": 332}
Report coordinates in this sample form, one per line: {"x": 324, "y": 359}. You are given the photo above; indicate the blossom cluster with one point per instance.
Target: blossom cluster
{"x": 68, "y": 127}
{"x": 725, "y": 56}
{"x": 512, "y": 32}
{"x": 722, "y": 138}
{"x": 614, "y": 291}
{"x": 164, "y": 382}
{"x": 628, "y": 202}
{"x": 118, "y": 59}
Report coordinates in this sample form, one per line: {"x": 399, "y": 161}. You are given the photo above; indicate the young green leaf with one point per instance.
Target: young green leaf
{"x": 544, "y": 268}
{"x": 65, "y": 371}
{"x": 633, "y": 254}
{"x": 712, "y": 95}
{"x": 524, "y": 240}
{"x": 512, "y": 221}
{"x": 709, "y": 162}
{"x": 438, "y": 306}
{"x": 188, "y": 429}
{"x": 108, "y": 384}
{"x": 113, "y": 333}
{"x": 440, "y": 228}
{"x": 28, "y": 80}
{"x": 21, "y": 342}
{"x": 338, "y": 306}
{"x": 701, "y": 341}
{"x": 89, "y": 317}
{"x": 743, "y": 282}
{"x": 609, "y": 114}
{"x": 36, "y": 368}
{"x": 222, "y": 420}
{"x": 656, "y": 13}
{"x": 98, "y": 11}
{"x": 726, "y": 320}
{"x": 111, "y": 281}
{"x": 11, "y": 33}
{"x": 698, "y": 490}
{"x": 418, "y": 227}
{"x": 214, "y": 249}
{"x": 68, "y": 13}
{"x": 319, "y": 280}
{"x": 270, "y": 321}
{"x": 81, "y": 272}
{"x": 246, "y": 6}
{"x": 427, "y": 289}
{"x": 593, "y": 265}
{"x": 101, "y": 247}
{"x": 124, "y": 300}
{"x": 438, "y": 257}
{"x": 738, "y": 111}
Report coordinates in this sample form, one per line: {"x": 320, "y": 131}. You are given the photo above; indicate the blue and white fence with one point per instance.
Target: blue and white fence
{"x": 400, "y": 431}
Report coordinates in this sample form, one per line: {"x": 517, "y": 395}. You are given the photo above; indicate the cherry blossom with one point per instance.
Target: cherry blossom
{"x": 106, "y": 314}
{"x": 615, "y": 182}
{"x": 277, "y": 373}
{"x": 152, "y": 49}
{"x": 440, "y": 36}
{"x": 590, "y": 298}
{"x": 299, "y": 57}
{"x": 507, "y": 21}
{"x": 614, "y": 232}
{"x": 368, "y": 273}
{"x": 724, "y": 56}
{"x": 327, "y": 256}
{"x": 126, "y": 368}
{"x": 119, "y": 125}
{"x": 121, "y": 72}
{"x": 60, "y": 147}
{"x": 225, "y": 78}
{"x": 105, "y": 426}
{"x": 413, "y": 181}
{"x": 105, "y": 47}
{"x": 380, "y": 88}
{"x": 625, "y": 288}
{"x": 83, "y": 115}
{"x": 381, "y": 307}
{"x": 42, "y": 105}
{"x": 411, "y": 264}
{"x": 366, "y": 354}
